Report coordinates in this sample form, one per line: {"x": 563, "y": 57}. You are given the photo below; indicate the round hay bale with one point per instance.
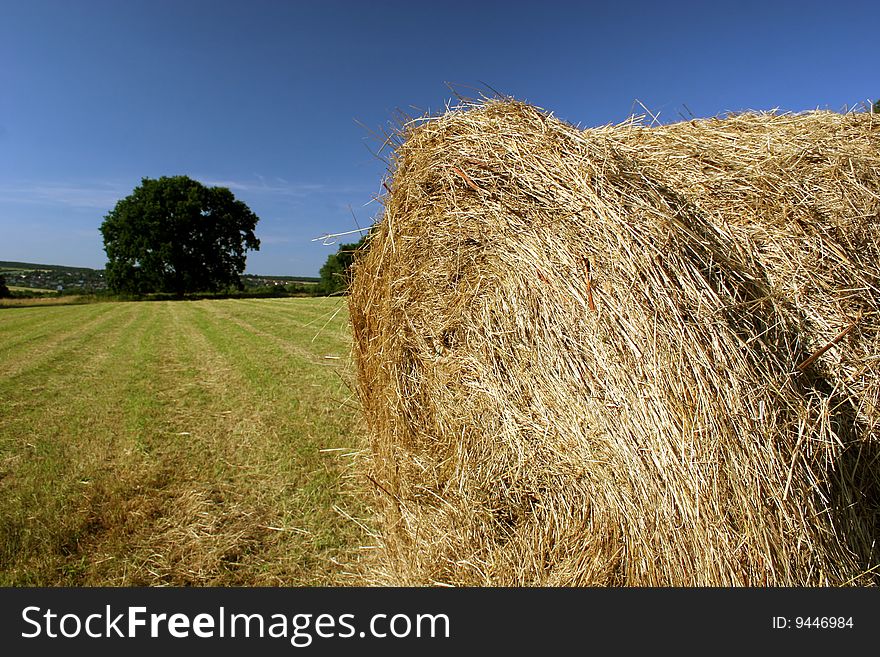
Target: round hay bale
{"x": 625, "y": 355}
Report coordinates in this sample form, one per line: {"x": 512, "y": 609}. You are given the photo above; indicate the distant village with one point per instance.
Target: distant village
{"x": 56, "y": 279}
{"x": 81, "y": 280}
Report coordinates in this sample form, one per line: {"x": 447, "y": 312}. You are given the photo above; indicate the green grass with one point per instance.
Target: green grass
{"x": 33, "y": 290}
{"x": 47, "y": 299}
{"x": 175, "y": 443}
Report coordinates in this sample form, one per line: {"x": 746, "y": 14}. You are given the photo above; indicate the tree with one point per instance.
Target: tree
{"x": 335, "y": 274}
{"x": 877, "y": 107}
{"x": 176, "y": 235}
{"x": 4, "y": 291}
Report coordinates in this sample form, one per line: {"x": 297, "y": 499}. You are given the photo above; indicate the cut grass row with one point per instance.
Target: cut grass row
{"x": 176, "y": 443}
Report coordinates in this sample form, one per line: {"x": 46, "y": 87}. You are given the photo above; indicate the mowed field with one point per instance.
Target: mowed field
{"x": 177, "y": 443}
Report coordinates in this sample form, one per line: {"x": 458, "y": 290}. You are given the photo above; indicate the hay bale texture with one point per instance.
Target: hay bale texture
{"x": 626, "y": 355}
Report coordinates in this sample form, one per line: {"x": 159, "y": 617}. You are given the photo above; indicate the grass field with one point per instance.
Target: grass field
{"x": 32, "y": 290}
{"x": 176, "y": 443}
{"x": 50, "y": 299}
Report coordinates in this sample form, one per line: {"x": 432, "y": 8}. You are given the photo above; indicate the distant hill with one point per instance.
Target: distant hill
{"x": 86, "y": 279}
{"x": 53, "y": 277}
{"x": 7, "y": 265}
{"x": 260, "y": 279}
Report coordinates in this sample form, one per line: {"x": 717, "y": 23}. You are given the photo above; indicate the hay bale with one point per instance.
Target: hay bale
{"x": 625, "y": 355}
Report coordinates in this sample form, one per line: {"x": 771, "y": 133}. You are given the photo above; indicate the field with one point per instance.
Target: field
{"x": 177, "y": 443}
{"x": 19, "y": 288}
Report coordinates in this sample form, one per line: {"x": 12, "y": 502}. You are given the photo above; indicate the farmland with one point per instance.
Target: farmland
{"x": 177, "y": 443}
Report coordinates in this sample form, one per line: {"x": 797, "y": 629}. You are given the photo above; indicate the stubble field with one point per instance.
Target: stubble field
{"x": 177, "y": 443}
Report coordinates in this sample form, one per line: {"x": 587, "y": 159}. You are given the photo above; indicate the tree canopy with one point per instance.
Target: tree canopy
{"x": 174, "y": 234}
{"x": 4, "y": 291}
{"x": 335, "y": 274}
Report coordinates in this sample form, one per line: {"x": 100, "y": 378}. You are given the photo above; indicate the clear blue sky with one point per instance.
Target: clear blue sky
{"x": 263, "y": 97}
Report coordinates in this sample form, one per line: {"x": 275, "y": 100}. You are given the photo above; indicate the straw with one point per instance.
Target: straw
{"x": 628, "y": 355}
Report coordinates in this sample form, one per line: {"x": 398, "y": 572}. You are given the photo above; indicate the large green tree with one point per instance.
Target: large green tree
{"x": 174, "y": 234}
{"x": 4, "y": 291}
{"x": 336, "y": 272}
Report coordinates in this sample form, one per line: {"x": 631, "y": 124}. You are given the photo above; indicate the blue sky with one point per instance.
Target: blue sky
{"x": 267, "y": 97}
